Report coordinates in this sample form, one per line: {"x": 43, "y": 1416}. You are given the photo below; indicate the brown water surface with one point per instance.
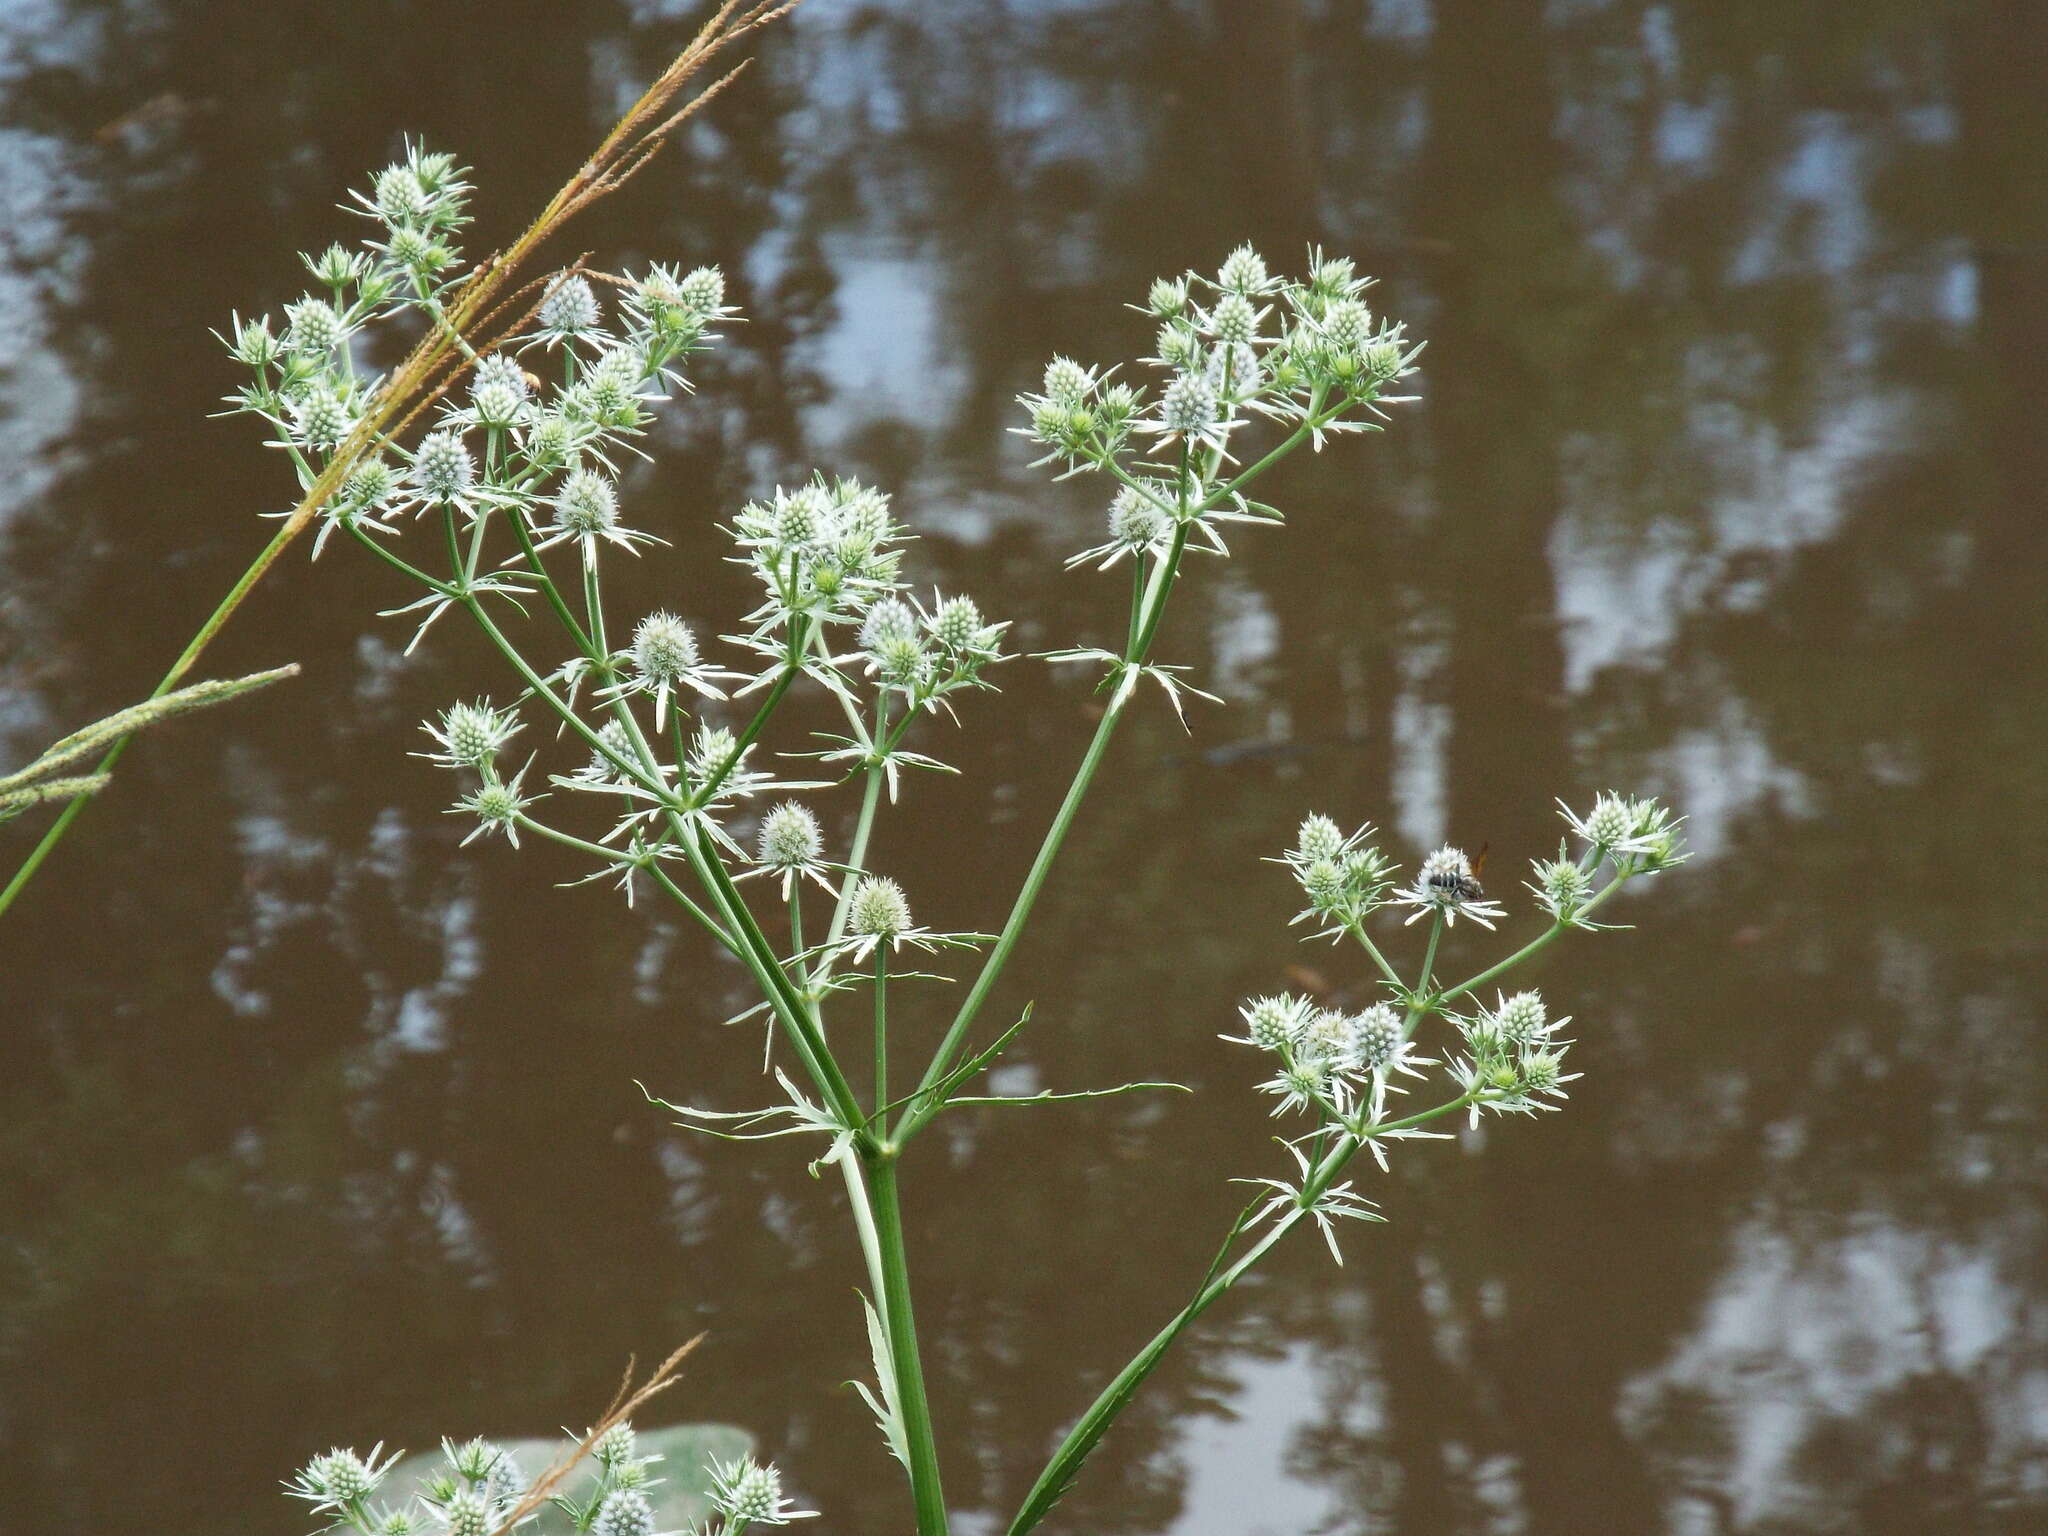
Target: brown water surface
{"x": 1726, "y": 482}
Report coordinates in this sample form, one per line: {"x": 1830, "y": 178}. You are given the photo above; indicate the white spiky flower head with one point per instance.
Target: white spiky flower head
{"x": 665, "y": 659}
{"x": 1446, "y": 885}
{"x": 498, "y": 371}
{"x": 570, "y": 311}
{"x": 586, "y": 508}
{"x": 790, "y": 846}
{"x": 1067, "y": 382}
{"x": 749, "y": 1491}
{"x": 956, "y": 624}
{"x": 1607, "y": 825}
{"x": 1168, "y": 297}
{"x": 1243, "y": 272}
{"x": 470, "y": 735}
{"x": 1346, "y": 327}
{"x": 1319, "y": 838}
{"x": 1136, "y": 520}
{"x": 1524, "y": 1018}
{"x": 1304, "y": 1079}
{"x": 790, "y": 838}
{"x": 337, "y": 1483}
{"x": 1188, "y": 407}
{"x": 703, "y": 291}
{"x": 443, "y": 469}
{"x": 344, "y": 1475}
{"x": 320, "y": 418}
{"x": 894, "y": 645}
{"x": 1543, "y": 1072}
{"x": 624, "y": 1512}
{"x": 497, "y": 807}
{"x": 603, "y": 766}
{"x": 1561, "y": 885}
{"x": 253, "y": 344}
{"x": 1175, "y": 345}
{"x": 1138, "y": 524}
{"x": 1275, "y": 1023}
{"x": 664, "y": 647}
{"x": 879, "y": 909}
{"x": 1234, "y": 320}
{"x": 313, "y": 327}
{"x": 1374, "y": 1037}
{"x": 466, "y": 1514}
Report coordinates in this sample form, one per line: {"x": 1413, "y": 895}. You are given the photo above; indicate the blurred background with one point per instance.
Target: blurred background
{"x": 1722, "y": 484}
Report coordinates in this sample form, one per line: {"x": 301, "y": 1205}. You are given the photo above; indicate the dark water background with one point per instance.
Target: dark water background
{"x": 1727, "y": 482}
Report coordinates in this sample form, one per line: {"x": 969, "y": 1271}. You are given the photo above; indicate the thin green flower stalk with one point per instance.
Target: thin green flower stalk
{"x": 647, "y": 743}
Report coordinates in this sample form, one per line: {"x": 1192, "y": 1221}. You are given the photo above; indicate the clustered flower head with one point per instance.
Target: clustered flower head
{"x": 750, "y": 1491}
{"x": 1448, "y": 887}
{"x": 878, "y": 914}
{"x": 1329, "y": 1059}
{"x": 470, "y": 735}
{"x": 497, "y": 805}
{"x": 792, "y": 845}
{"x": 1339, "y": 1065}
{"x": 1343, "y": 875}
{"x": 478, "y": 1487}
{"x": 664, "y": 659}
{"x": 339, "y": 1482}
{"x": 826, "y": 551}
{"x": 1305, "y": 354}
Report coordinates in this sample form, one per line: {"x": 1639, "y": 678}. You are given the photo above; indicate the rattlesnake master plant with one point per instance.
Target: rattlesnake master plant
{"x": 649, "y": 750}
{"x": 480, "y": 1488}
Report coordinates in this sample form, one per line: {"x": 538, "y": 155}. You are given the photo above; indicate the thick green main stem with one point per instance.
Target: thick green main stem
{"x": 886, "y": 1209}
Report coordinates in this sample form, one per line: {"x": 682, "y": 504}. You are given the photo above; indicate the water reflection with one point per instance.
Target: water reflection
{"x": 1725, "y": 483}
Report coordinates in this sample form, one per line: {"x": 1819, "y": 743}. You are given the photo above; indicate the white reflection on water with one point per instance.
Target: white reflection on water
{"x": 1807, "y": 1349}
{"x": 40, "y": 395}
{"x": 1231, "y": 1463}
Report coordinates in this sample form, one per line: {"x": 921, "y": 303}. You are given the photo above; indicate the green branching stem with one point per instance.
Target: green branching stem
{"x": 1146, "y": 619}
{"x": 1088, "y": 1431}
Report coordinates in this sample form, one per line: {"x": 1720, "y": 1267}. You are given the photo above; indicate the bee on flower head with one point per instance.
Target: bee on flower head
{"x": 1448, "y": 884}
